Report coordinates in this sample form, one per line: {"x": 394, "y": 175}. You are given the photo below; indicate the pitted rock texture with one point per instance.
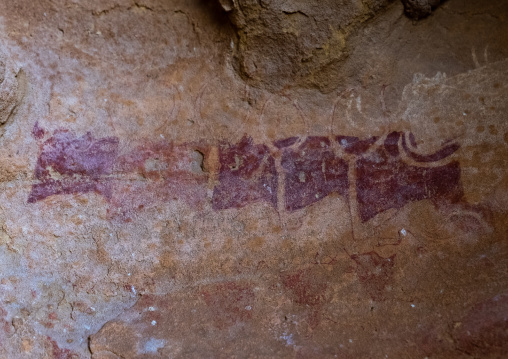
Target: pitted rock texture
{"x": 282, "y": 43}
{"x": 155, "y": 204}
{"x": 418, "y": 9}
{"x": 12, "y": 90}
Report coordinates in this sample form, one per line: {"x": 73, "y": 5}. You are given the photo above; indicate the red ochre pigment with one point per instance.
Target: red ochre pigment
{"x": 247, "y": 172}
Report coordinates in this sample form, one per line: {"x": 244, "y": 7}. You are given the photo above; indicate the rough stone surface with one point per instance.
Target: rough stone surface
{"x": 12, "y": 91}
{"x": 419, "y": 9}
{"x": 280, "y": 43}
{"x": 188, "y": 179}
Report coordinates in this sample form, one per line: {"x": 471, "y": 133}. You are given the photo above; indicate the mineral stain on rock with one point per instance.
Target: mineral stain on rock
{"x": 61, "y": 353}
{"x": 483, "y": 332}
{"x": 374, "y": 273}
{"x": 230, "y": 302}
{"x": 308, "y": 289}
{"x": 305, "y": 289}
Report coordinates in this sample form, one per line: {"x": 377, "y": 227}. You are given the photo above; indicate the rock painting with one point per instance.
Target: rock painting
{"x": 374, "y": 273}
{"x": 247, "y": 174}
{"x": 307, "y": 290}
{"x": 313, "y": 171}
{"x": 69, "y": 164}
{"x": 388, "y": 172}
{"x": 158, "y": 172}
{"x": 384, "y": 180}
{"x": 230, "y": 302}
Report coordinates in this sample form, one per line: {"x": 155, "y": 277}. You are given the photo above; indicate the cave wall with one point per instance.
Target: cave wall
{"x": 236, "y": 178}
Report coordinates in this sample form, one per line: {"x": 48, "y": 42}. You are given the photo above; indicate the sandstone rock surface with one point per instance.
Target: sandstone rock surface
{"x": 233, "y": 178}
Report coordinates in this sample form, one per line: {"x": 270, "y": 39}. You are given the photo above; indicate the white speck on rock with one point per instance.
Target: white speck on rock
{"x": 154, "y": 322}
{"x": 403, "y": 231}
{"x": 153, "y": 345}
{"x": 412, "y": 305}
{"x": 151, "y": 309}
{"x": 288, "y": 338}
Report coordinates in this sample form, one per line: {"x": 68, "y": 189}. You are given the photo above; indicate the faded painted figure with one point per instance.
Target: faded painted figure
{"x": 385, "y": 172}
{"x": 388, "y": 173}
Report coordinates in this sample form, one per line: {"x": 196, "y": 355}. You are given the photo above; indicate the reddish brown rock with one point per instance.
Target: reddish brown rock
{"x": 307, "y": 289}
{"x": 483, "y": 331}
{"x": 270, "y": 179}
{"x": 375, "y": 273}
{"x": 230, "y": 302}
